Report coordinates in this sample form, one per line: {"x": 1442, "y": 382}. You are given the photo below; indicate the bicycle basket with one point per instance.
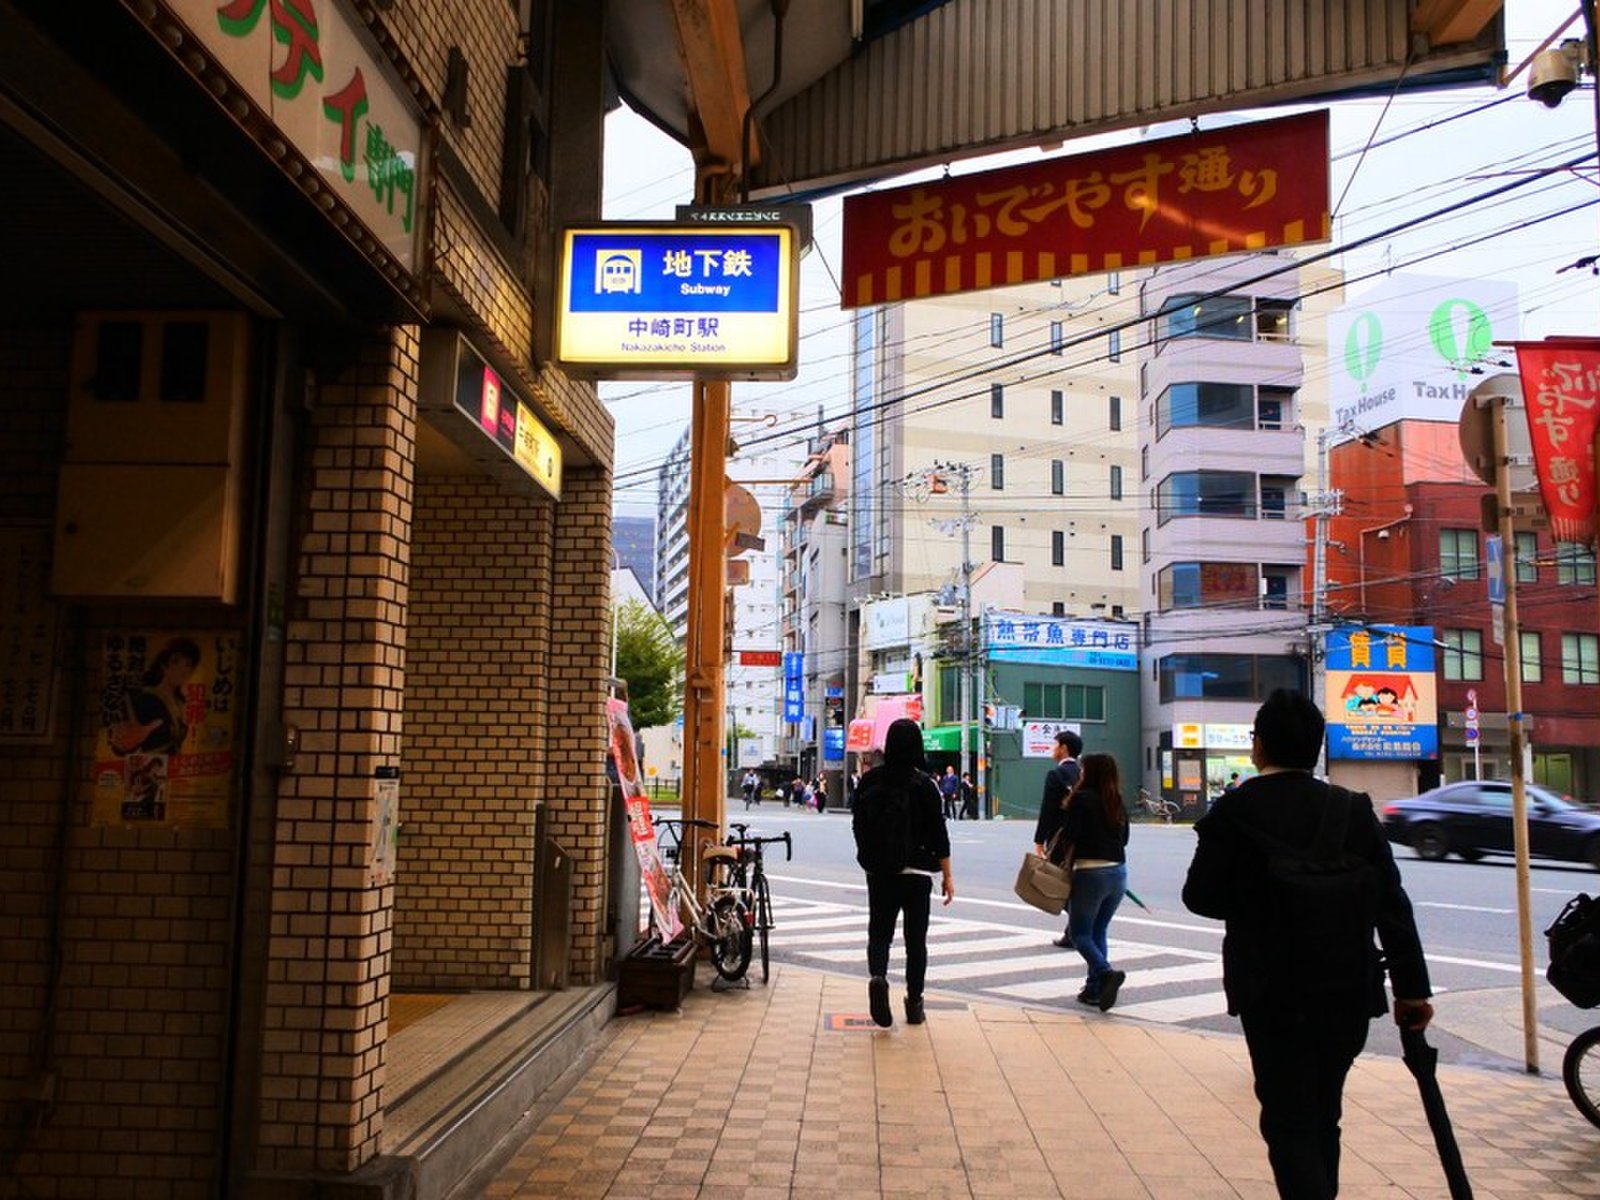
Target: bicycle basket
{"x": 1574, "y": 938}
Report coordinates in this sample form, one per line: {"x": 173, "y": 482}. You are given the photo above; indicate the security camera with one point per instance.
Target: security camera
{"x": 1554, "y": 73}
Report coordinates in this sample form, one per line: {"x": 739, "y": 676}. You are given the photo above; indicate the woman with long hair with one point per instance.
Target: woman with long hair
{"x": 1096, "y": 826}
{"x": 155, "y": 717}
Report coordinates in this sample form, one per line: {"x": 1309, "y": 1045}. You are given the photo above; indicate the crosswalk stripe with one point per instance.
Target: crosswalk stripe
{"x": 1067, "y": 987}
{"x": 1177, "y": 1008}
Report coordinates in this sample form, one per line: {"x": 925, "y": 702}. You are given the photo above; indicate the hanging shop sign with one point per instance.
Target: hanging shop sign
{"x": 1381, "y": 701}
{"x": 312, "y": 70}
{"x": 1061, "y": 641}
{"x": 166, "y": 735}
{"x": 673, "y": 301}
{"x": 1039, "y": 737}
{"x": 794, "y": 687}
{"x": 1561, "y": 389}
{"x": 1244, "y": 187}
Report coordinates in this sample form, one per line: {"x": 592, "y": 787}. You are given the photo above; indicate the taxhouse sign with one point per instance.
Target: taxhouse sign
{"x": 309, "y": 68}
{"x": 1245, "y": 187}
{"x": 669, "y": 301}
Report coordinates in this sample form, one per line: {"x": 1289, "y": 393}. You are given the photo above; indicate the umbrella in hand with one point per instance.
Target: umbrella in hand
{"x": 1422, "y": 1060}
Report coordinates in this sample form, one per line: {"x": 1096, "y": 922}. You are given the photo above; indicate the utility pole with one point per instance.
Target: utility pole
{"x": 1326, "y": 504}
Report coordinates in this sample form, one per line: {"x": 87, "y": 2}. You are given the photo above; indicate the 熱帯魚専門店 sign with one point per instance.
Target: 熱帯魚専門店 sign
{"x": 666, "y": 301}
{"x": 1245, "y": 187}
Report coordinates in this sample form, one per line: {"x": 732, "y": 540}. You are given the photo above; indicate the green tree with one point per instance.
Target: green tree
{"x": 651, "y": 660}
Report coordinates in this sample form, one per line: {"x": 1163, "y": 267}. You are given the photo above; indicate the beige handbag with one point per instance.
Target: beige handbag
{"x": 1044, "y": 884}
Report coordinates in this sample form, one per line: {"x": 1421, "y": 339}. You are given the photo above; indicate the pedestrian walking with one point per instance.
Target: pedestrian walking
{"x": 949, "y": 793}
{"x": 751, "y": 786}
{"x": 969, "y": 799}
{"x": 820, "y": 790}
{"x": 1095, "y": 830}
{"x": 1300, "y": 871}
{"x": 903, "y": 846}
{"x": 1058, "y": 781}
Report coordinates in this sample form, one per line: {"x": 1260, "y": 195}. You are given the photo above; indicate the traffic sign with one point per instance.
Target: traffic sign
{"x": 1494, "y": 554}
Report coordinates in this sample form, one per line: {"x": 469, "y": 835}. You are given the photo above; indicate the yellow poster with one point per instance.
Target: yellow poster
{"x": 166, "y": 739}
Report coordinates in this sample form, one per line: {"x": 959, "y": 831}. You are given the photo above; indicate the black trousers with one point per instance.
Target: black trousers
{"x": 1300, "y": 1061}
{"x": 887, "y": 897}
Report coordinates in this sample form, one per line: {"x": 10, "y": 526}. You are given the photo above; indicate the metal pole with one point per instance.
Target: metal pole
{"x": 966, "y": 616}
{"x": 1319, "y": 580}
{"x": 1519, "y": 794}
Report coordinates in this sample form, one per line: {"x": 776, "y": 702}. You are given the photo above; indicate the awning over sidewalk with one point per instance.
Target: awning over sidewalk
{"x": 946, "y": 739}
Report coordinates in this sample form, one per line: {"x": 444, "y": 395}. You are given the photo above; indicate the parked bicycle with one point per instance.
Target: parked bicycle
{"x": 724, "y": 923}
{"x": 1574, "y": 971}
{"x": 1158, "y": 806}
{"x": 752, "y": 872}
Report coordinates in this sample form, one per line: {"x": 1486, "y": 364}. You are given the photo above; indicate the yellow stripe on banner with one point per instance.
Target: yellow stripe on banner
{"x": 863, "y": 289}
{"x": 952, "y": 273}
{"x": 982, "y": 270}
{"x": 1047, "y": 265}
{"x": 922, "y": 284}
{"x": 1219, "y": 246}
{"x": 891, "y": 285}
{"x": 1078, "y": 264}
{"x": 1113, "y": 262}
{"x": 1180, "y": 253}
{"x": 1014, "y": 266}
{"x": 1327, "y": 227}
{"x": 1254, "y": 241}
{"x": 1146, "y": 257}
{"x": 1294, "y": 233}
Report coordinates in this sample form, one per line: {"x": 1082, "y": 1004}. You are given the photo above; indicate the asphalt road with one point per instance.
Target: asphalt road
{"x": 989, "y": 943}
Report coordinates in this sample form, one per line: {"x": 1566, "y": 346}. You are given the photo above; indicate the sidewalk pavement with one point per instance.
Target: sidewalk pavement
{"x": 789, "y": 1090}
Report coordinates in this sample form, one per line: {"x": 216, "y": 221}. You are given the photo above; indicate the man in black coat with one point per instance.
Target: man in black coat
{"x": 1052, "y": 806}
{"x": 1304, "y": 1024}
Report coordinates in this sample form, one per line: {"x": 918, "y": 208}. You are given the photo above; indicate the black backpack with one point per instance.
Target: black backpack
{"x": 1574, "y": 968}
{"x": 1319, "y": 910}
{"x": 882, "y": 823}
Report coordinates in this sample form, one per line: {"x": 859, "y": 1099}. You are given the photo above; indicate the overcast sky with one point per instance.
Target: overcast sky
{"x": 1426, "y": 152}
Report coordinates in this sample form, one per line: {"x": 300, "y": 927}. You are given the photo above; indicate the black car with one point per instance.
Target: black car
{"x": 1473, "y": 818}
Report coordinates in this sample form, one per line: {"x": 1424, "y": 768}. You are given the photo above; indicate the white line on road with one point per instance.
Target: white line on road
{"x": 1462, "y": 907}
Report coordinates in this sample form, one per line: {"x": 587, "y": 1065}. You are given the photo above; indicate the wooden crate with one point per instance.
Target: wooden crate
{"x": 653, "y": 975}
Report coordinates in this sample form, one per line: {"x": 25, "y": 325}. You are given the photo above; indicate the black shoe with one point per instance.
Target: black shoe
{"x": 1109, "y": 988}
{"x": 878, "y": 1001}
{"x": 1063, "y": 941}
{"x": 914, "y": 1013}
{"x": 1089, "y": 998}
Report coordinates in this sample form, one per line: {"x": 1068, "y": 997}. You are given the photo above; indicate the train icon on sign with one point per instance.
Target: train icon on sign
{"x": 618, "y": 271}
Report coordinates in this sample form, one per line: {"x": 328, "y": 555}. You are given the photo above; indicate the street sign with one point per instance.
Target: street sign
{"x": 1495, "y": 560}
{"x": 1472, "y": 715}
{"x": 761, "y": 658}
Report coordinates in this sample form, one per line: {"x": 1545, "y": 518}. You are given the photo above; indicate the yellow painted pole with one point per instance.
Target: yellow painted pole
{"x": 1519, "y": 792}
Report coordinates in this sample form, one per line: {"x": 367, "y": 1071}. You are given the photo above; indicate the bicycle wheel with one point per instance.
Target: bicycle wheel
{"x": 729, "y": 924}
{"x": 763, "y": 921}
{"x": 1580, "y": 1071}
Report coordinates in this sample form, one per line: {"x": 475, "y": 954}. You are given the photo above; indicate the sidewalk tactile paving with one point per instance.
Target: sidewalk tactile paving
{"x": 752, "y": 1093}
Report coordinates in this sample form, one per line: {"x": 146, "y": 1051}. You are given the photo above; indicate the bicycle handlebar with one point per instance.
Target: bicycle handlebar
{"x": 788, "y": 843}
{"x": 683, "y": 821}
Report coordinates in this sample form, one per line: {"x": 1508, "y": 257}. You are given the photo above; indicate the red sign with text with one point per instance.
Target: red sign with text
{"x": 1561, "y": 389}
{"x": 760, "y": 658}
{"x": 1224, "y": 191}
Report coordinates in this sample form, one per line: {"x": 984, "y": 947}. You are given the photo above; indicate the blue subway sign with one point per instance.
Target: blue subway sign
{"x": 668, "y": 301}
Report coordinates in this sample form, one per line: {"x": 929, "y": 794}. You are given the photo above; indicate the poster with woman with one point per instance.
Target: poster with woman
{"x": 164, "y": 746}
{"x": 641, "y": 829}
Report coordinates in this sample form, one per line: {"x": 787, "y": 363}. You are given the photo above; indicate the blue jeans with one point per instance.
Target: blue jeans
{"x": 1096, "y": 892}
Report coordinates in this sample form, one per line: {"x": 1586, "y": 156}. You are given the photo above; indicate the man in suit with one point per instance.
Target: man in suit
{"x": 1305, "y": 1018}
{"x": 1057, "y": 783}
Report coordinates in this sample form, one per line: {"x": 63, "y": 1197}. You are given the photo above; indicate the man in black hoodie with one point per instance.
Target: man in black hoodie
{"x": 1304, "y": 1014}
{"x": 900, "y": 786}
{"x": 1058, "y": 782}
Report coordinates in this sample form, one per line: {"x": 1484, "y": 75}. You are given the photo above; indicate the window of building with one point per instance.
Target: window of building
{"x": 1458, "y": 554}
{"x": 1144, "y": 462}
{"x": 1275, "y": 586}
{"x": 1273, "y": 320}
{"x": 997, "y": 472}
{"x": 997, "y": 330}
{"x": 997, "y": 400}
{"x": 997, "y": 543}
{"x": 1058, "y": 337}
{"x": 1580, "y": 658}
{"x": 1058, "y": 608}
{"x": 1191, "y": 315}
{"x": 1206, "y": 494}
{"x": 1532, "y": 658}
{"x": 1116, "y": 552}
{"x": 1114, "y": 345}
{"x": 1273, "y": 406}
{"x": 1574, "y": 563}
{"x": 1144, "y": 545}
{"x": 1205, "y": 405}
{"x": 1275, "y": 491}
{"x": 1206, "y": 585}
{"x": 1463, "y": 653}
{"x": 1227, "y": 676}
{"x": 1114, "y": 282}
{"x": 1116, "y": 482}
{"x": 1063, "y": 702}
{"x": 1058, "y": 408}
{"x": 1058, "y": 548}
{"x": 1527, "y": 555}
{"x": 950, "y": 696}
{"x": 1058, "y": 477}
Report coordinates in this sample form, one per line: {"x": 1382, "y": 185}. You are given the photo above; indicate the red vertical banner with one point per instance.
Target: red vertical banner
{"x": 641, "y": 830}
{"x": 1561, "y": 389}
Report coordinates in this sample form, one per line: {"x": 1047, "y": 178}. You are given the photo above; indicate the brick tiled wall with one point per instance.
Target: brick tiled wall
{"x": 328, "y": 959}
{"x": 475, "y": 683}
